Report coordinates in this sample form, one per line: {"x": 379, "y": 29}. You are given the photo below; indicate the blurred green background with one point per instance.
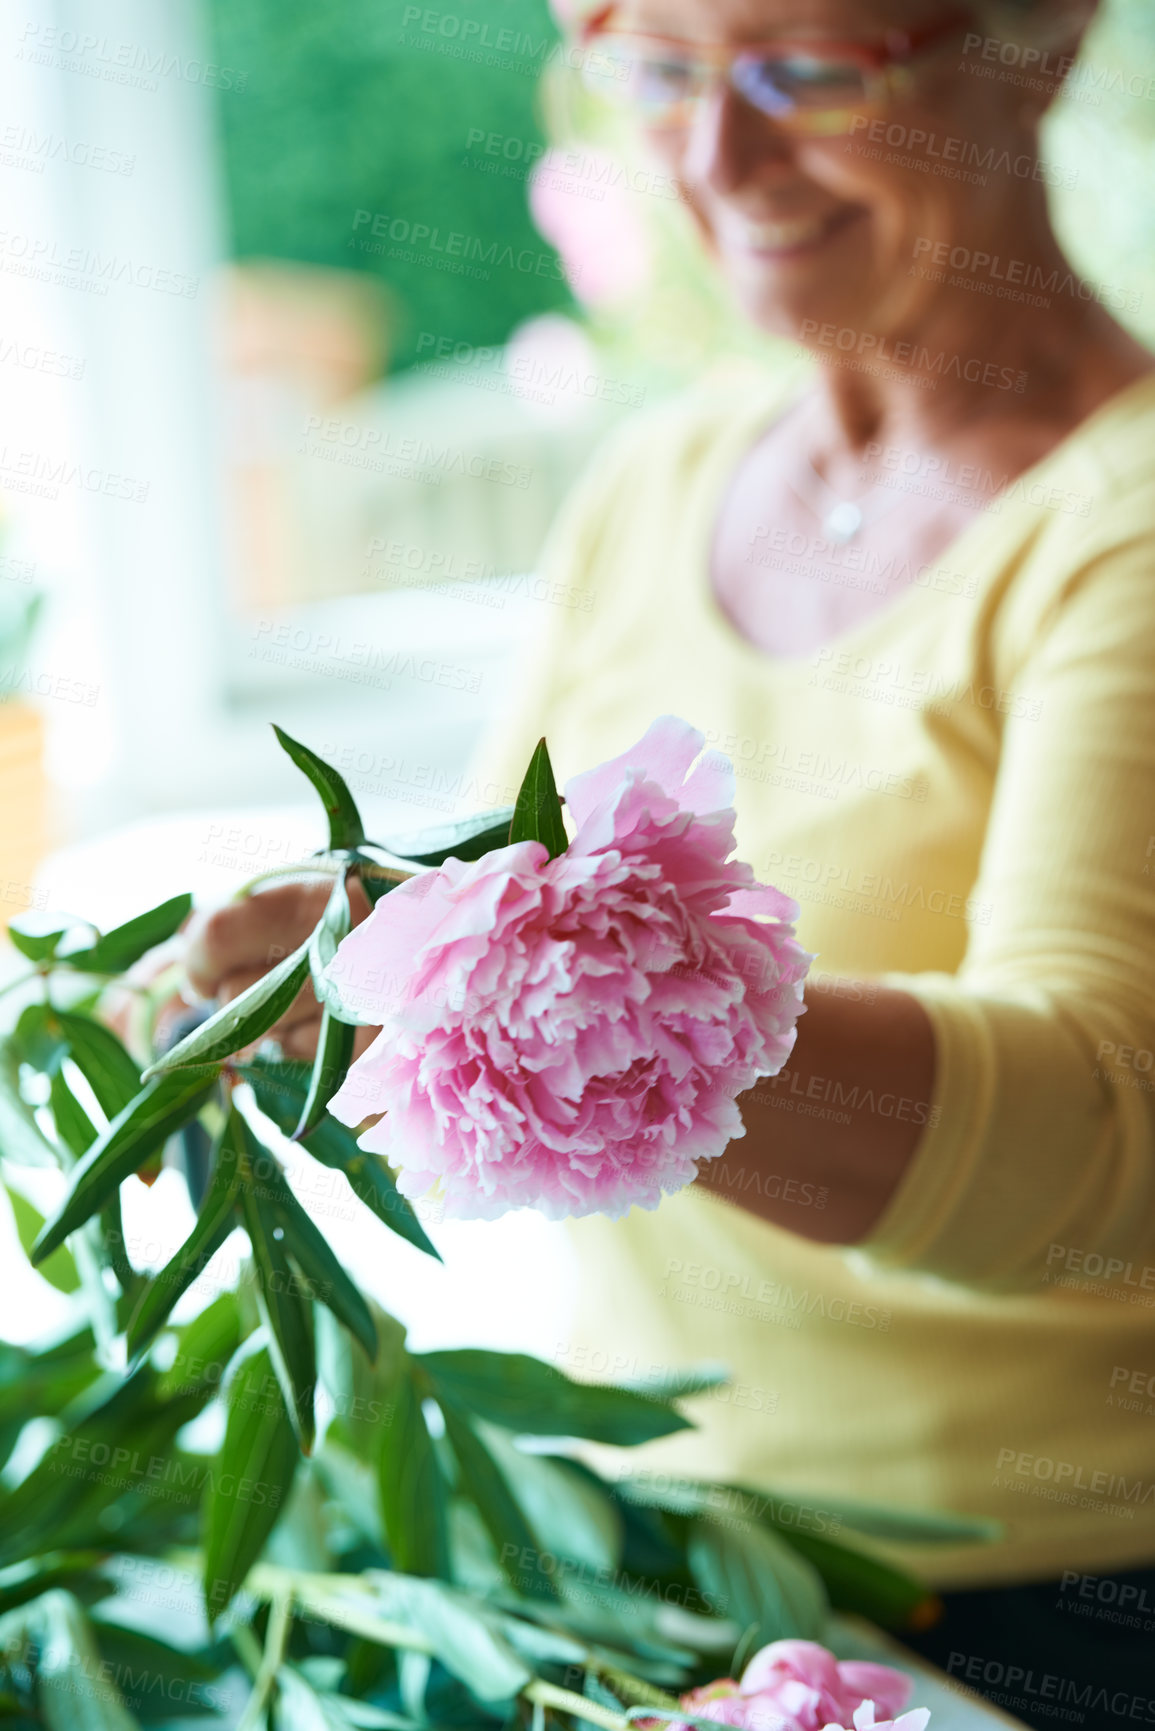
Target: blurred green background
{"x": 341, "y": 112}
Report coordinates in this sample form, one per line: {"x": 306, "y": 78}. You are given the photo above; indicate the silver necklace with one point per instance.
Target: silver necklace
{"x": 843, "y": 518}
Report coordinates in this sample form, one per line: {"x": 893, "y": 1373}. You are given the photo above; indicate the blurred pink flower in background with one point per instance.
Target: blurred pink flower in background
{"x": 553, "y": 367}
{"x": 581, "y": 202}
{"x": 572, "y": 1034}
{"x": 801, "y": 1686}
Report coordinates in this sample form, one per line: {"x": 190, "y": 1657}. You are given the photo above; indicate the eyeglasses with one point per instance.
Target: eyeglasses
{"x": 806, "y": 86}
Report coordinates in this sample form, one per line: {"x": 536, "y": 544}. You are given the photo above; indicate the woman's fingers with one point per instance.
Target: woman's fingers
{"x": 230, "y": 948}
{"x": 249, "y": 936}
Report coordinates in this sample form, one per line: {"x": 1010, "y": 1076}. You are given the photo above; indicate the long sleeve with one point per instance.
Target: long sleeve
{"x": 1041, "y": 1161}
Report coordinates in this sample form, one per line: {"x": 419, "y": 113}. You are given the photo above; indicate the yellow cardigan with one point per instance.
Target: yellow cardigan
{"x": 960, "y": 792}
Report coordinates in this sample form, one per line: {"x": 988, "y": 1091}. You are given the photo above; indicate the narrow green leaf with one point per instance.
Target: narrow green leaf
{"x": 162, "y": 1107}
{"x": 469, "y": 840}
{"x": 59, "y": 1269}
{"x": 914, "y": 1526}
{"x": 283, "y": 1307}
{"x": 524, "y": 1394}
{"x": 755, "y": 1578}
{"x": 324, "y": 1276}
{"x": 330, "y": 1067}
{"x": 414, "y": 1496}
{"x": 204, "y": 1347}
{"x": 345, "y": 827}
{"x": 102, "y": 1060}
{"x": 250, "y": 1486}
{"x": 242, "y": 1021}
{"x": 218, "y": 1217}
{"x": 485, "y": 1483}
{"x": 862, "y": 1585}
{"x": 73, "y": 1125}
{"x": 537, "y": 814}
{"x": 570, "y": 1514}
{"x": 119, "y": 949}
{"x": 281, "y": 1090}
{"x": 21, "y": 1139}
{"x": 71, "y": 1692}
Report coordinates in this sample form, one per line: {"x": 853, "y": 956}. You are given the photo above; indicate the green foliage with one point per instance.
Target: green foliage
{"x": 374, "y": 1515}
{"x": 537, "y": 813}
{"x": 333, "y": 110}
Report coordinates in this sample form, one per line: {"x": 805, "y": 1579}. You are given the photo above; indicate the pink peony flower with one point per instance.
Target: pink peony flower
{"x": 800, "y": 1686}
{"x": 809, "y": 1682}
{"x": 572, "y": 1034}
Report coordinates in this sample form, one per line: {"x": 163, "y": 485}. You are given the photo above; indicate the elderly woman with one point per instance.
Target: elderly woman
{"x": 910, "y": 589}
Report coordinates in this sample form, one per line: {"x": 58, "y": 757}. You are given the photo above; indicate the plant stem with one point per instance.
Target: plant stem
{"x": 549, "y": 1695}
{"x": 276, "y": 1635}
{"x": 22, "y": 980}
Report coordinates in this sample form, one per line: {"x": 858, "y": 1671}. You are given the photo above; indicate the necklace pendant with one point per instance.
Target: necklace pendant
{"x": 842, "y": 522}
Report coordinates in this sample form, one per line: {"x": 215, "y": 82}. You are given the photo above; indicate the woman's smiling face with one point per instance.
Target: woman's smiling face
{"x": 826, "y": 228}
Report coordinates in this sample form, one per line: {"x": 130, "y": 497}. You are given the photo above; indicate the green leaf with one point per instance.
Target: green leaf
{"x": 119, "y": 949}
{"x": 485, "y": 1483}
{"x": 71, "y": 1693}
{"x": 571, "y": 1515}
{"x": 465, "y": 1636}
{"x": 332, "y": 926}
{"x": 218, "y": 1217}
{"x": 162, "y": 1107}
{"x": 41, "y": 1039}
{"x": 281, "y": 1090}
{"x": 35, "y": 946}
{"x": 345, "y": 826}
{"x": 914, "y": 1526}
{"x": 755, "y": 1579}
{"x": 251, "y": 1482}
{"x": 158, "y": 1681}
{"x": 469, "y": 840}
{"x": 414, "y": 1496}
{"x": 21, "y": 1139}
{"x": 242, "y": 1021}
{"x": 677, "y": 1384}
{"x": 330, "y": 1067}
{"x": 283, "y": 1308}
{"x": 862, "y": 1585}
{"x": 73, "y": 1125}
{"x": 59, "y": 1269}
{"x": 537, "y": 814}
{"x": 327, "y": 1281}
{"x": 106, "y": 1066}
{"x": 205, "y": 1346}
{"x": 528, "y": 1396}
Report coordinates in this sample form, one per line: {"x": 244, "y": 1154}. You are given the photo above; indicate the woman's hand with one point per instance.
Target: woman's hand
{"x": 232, "y": 946}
